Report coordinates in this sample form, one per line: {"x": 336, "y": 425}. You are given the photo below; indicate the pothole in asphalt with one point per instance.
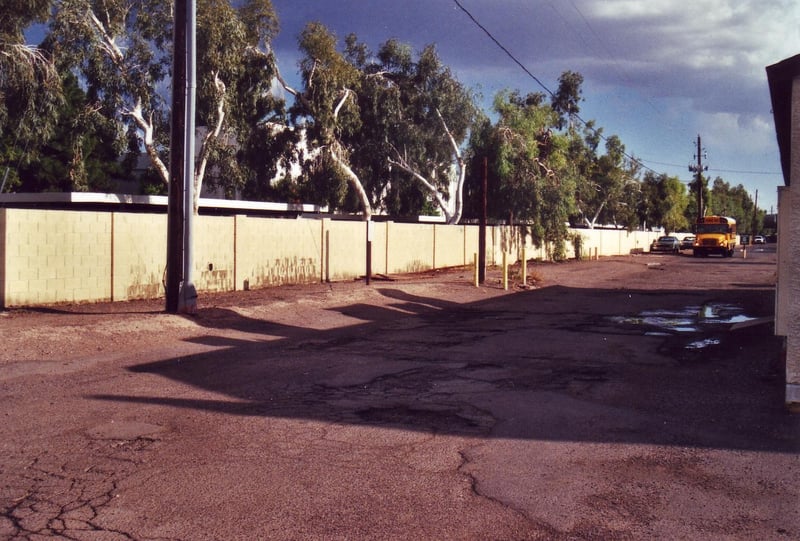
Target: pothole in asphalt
{"x": 123, "y": 430}
{"x": 422, "y": 419}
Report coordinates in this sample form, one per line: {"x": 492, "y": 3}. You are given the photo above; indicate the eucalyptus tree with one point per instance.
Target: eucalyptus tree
{"x": 391, "y": 124}
{"x": 567, "y": 98}
{"x": 327, "y": 111}
{"x": 431, "y": 118}
{"x": 674, "y": 201}
{"x": 606, "y": 182}
{"x": 81, "y": 155}
{"x": 526, "y": 163}
{"x": 664, "y": 202}
{"x": 122, "y": 49}
{"x": 736, "y": 202}
{"x": 30, "y": 86}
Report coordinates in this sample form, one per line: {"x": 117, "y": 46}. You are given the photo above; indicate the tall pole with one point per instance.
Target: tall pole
{"x": 175, "y": 210}
{"x": 368, "y": 270}
{"x": 188, "y": 294}
{"x": 698, "y": 170}
{"x": 482, "y": 227}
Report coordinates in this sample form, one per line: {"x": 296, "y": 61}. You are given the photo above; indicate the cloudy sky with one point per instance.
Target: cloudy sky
{"x": 657, "y": 74}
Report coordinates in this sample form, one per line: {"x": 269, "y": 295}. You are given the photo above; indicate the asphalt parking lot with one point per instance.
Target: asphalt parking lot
{"x": 634, "y": 397}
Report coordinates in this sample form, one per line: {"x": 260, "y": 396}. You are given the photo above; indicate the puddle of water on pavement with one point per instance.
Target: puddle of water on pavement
{"x": 686, "y": 320}
{"x": 701, "y": 344}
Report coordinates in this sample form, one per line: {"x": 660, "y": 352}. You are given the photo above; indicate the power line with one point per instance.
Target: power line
{"x": 735, "y": 171}
{"x": 540, "y": 83}
{"x": 745, "y": 172}
{"x": 510, "y": 55}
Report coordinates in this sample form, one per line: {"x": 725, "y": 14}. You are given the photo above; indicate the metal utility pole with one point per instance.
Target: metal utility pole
{"x": 188, "y": 294}
{"x": 180, "y": 292}
{"x": 698, "y": 170}
{"x": 175, "y": 206}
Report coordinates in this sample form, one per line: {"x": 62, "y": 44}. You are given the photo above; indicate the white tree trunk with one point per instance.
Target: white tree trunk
{"x": 109, "y": 45}
{"x": 591, "y": 224}
{"x": 355, "y": 182}
{"x": 149, "y": 145}
{"x": 212, "y": 135}
{"x": 462, "y": 170}
{"x": 402, "y": 164}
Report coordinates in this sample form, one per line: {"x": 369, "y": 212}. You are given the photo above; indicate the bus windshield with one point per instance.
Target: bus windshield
{"x": 713, "y": 228}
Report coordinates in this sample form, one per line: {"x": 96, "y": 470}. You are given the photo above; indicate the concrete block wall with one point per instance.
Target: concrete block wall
{"x": 55, "y": 256}
{"x": 271, "y": 252}
{"x": 409, "y": 248}
{"x": 139, "y": 257}
{"x": 605, "y": 242}
{"x": 345, "y": 249}
{"x": 214, "y": 259}
{"x": 48, "y": 257}
{"x": 450, "y": 248}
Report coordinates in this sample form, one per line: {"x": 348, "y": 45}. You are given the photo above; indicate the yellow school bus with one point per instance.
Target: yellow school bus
{"x": 714, "y": 235}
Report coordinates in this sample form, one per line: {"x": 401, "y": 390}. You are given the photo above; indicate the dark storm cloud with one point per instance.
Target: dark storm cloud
{"x": 696, "y": 65}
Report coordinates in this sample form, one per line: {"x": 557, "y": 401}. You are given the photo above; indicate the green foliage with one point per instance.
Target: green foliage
{"x": 734, "y": 201}
{"x": 566, "y": 101}
{"x": 607, "y": 185}
{"x": 384, "y": 129}
{"x": 81, "y": 155}
{"x": 388, "y": 116}
{"x": 692, "y": 208}
{"x": 526, "y": 166}
{"x": 122, "y": 51}
{"x": 664, "y": 203}
{"x": 30, "y": 88}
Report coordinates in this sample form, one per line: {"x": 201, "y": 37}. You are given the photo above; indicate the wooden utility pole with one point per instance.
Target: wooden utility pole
{"x": 482, "y": 227}
{"x": 698, "y": 170}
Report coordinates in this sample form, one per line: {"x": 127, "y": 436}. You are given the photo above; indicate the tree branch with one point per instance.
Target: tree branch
{"x": 212, "y": 135}
{"x": 345, "y": 95}
{"x": 147, "y": 129}
{"x": 405, "y": 166}
{"x": 108, "y": 42}
{"x": 461, "y": 171}
{"x": 353, "y": 179}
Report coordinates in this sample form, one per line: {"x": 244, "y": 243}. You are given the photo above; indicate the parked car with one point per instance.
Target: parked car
{"x": 758, "y": 239}
{"x": 666, "y": 243}
{"x": 688, "y": 242}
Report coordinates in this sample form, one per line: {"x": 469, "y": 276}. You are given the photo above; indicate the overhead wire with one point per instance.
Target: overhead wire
{"x": 597, "y": 132}
{"x": 503, "y": 48}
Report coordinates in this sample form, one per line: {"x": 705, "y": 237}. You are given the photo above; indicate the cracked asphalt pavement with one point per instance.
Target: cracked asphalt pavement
{"x": 634, "y": 397}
